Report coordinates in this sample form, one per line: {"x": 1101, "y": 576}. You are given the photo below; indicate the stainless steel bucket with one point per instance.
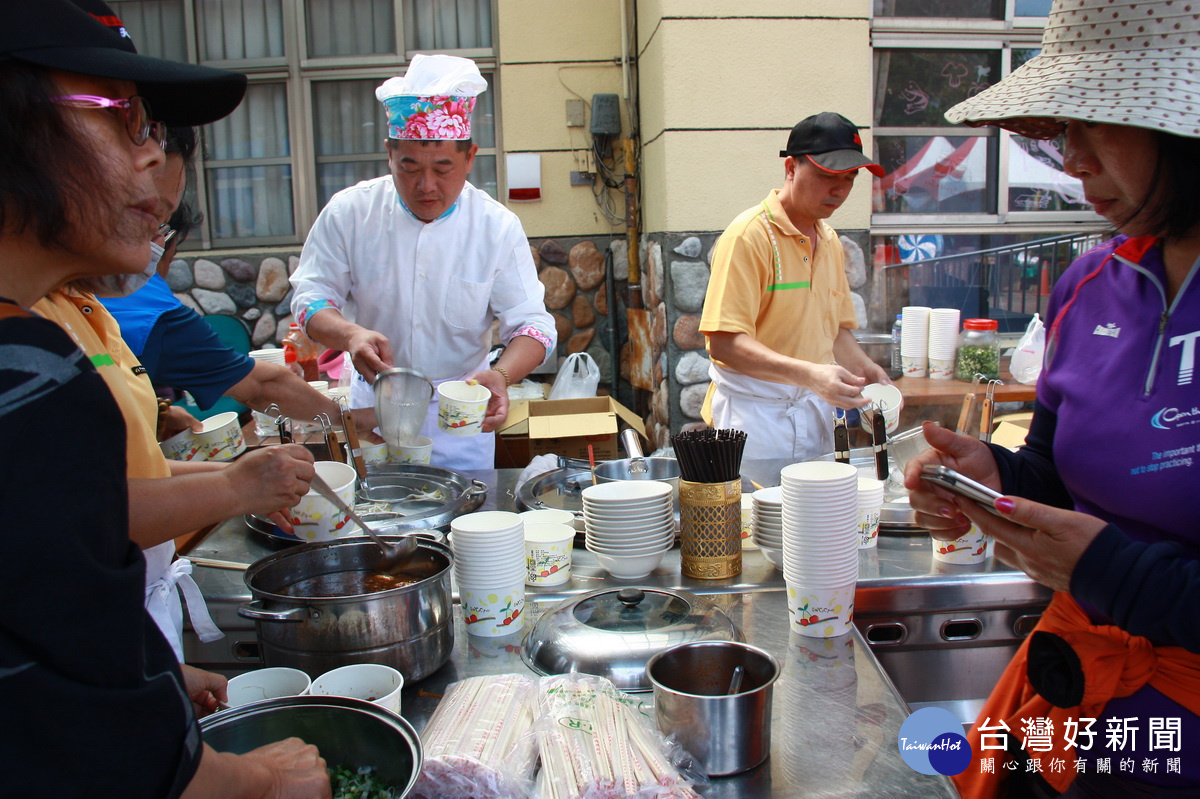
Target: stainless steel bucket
{"x": 728, "y": 733}
{"x": 410, "y": 628}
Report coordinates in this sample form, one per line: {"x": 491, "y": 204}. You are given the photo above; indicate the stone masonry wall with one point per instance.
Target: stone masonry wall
{"x": 674, "y": 269}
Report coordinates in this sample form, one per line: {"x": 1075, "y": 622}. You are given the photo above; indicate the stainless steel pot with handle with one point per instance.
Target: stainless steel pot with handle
{"x": 410, "y": 627}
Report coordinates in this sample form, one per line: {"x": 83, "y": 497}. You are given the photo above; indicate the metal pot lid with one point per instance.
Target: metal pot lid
{"x": 613, "y": 632}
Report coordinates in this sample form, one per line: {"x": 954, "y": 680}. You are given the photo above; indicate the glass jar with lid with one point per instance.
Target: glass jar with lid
{"x": 978, "y": 350}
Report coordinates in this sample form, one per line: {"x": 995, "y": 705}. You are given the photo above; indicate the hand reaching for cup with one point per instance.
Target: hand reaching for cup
{"x": 938, "y": 510}
{"x": 270, "y": 479}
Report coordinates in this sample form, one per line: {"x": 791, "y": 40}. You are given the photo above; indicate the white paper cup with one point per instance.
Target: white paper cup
{"x": 269, "y": 683}
{"x": 970, "y": 548}
{"x": 374, "y": 454}
{"x": 182, "y": 446}
{"x": 941, "y": 368}
{"x": 221, "y": 438}
{"x": 493, "y": 610}
{"x": 548, "y": 553}
{"x": 315, "y": 518}
{"x": 550, "y": 516}
{"x": 418, "y": 450}
{"x": 372, "y": 682}
{"x": 818, "y": 612}
{"x": 461, "y": 407}
{"x": 914, "y": 366}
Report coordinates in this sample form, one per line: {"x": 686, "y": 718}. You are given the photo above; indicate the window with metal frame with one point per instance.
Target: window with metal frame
{"x": 310, "y": 124}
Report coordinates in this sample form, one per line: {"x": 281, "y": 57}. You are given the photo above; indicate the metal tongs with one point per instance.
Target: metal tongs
{"x": 280, "y": 421}
{"x": 985, "y": 415}
{"x": 331, "y": 440}
{"x": 354, "y": 454}
{"x": 841, "y": 436}
{"x": 878, "y": 439}
{"x": 968, "y": 406}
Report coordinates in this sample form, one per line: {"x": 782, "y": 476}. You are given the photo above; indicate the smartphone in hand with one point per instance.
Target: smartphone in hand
{"x": 962, "y": 485}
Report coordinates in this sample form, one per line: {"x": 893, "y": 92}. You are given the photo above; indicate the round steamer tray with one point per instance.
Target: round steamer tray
{"x": 424, "y": 497}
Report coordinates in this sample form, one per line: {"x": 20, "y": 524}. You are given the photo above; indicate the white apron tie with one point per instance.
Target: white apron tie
{"x": 163, "y": 603}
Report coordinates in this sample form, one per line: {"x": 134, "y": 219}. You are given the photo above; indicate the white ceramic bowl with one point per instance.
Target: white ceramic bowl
{"x": 775, "y": 556}
{"x": 630, "y": 567}
{"x": 623, "y": 492}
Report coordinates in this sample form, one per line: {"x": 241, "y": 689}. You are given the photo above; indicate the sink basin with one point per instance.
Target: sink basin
{"x": 944, "y": 641}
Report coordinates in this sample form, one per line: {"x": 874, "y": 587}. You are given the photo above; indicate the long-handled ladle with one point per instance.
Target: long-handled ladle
{"x": 394, "y": 555}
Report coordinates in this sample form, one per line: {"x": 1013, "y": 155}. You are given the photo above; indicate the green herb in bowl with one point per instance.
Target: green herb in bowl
{"x": 358, "y": 784}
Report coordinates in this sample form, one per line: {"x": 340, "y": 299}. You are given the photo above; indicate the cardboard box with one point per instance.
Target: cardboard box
{"x": 563, "y": 427}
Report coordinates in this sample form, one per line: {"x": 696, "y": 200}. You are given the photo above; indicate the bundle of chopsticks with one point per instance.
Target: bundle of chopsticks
{"x": 593, "y": 743}
{"x": 709, "y": 456}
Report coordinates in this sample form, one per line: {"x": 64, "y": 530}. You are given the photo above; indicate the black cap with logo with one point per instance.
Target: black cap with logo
{"x": 831, "y": 142}
{"x": 86, "y": 37}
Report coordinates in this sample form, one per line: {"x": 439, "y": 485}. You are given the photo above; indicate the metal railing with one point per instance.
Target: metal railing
{"x": 1009, "y": 284}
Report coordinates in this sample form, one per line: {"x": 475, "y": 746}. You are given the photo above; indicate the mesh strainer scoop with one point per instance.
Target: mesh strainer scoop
{"x": 402, "y": 398}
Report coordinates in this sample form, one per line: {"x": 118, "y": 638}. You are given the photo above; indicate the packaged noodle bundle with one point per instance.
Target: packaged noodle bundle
{"x": 479, "y": 741}
{"x": 595, "y": 744}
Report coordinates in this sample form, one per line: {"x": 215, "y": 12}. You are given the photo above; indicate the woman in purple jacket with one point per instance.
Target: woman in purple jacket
{"x": 1101, "y": 500}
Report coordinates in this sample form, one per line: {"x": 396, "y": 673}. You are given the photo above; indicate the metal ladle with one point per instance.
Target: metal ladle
{"x": 394, "y": 555}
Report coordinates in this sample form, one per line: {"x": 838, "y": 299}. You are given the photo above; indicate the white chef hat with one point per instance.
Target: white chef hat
{"x": 433, "y": 100}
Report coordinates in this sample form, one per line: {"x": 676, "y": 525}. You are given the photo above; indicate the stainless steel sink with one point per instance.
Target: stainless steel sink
{"x": 945, "y": 641}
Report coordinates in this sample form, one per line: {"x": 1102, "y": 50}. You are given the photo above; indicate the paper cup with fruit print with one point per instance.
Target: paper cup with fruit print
{"x": 818, "y": 611}
{"x": 316, "y": 518}
{"x": 548, "y": 553}
{"x": 182, "y": 446}
{"x": 970, "y": 548}
{"x": 419, "y": 450}
{"x": 493, "y": 610}
{"x": 221, "y": 438}
{"x": 462, "y": 406}
{"x": 375, "y": 454}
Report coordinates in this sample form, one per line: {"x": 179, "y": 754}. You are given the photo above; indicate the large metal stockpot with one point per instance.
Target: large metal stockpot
{"x": 410, "y": 628}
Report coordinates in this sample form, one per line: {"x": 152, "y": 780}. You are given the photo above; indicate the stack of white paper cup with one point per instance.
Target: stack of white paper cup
{"x": 943, "y": 342}
{"x": 264, "y": 425}
{"x": 489, "y": 570}
{"x": 914, "y": 340}
{"x": 870, "y": 504}
{"x": 820, "y": 546}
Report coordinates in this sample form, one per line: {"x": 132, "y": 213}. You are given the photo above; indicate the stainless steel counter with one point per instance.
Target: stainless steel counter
{"x": 836, "y": 711}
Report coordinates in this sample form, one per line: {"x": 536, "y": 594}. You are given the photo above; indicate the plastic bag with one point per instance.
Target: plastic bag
{"x": 578, "y": 377}
{"x": 480, "y": 742}
{"x": 596, "y": 742}
{"x": 1026, "y": 362}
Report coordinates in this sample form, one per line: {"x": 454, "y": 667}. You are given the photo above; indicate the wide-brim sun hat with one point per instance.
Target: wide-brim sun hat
{"x": 88, "y": 38}
{"x": 1123, "y": 63}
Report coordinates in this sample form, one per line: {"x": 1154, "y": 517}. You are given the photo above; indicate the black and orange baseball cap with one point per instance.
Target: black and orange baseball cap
{"x": 831, "y": 142}
{"x": 88, "y": 38}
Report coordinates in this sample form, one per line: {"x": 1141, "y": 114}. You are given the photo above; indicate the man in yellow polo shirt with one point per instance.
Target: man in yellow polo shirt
{"x": 778, "y": 316}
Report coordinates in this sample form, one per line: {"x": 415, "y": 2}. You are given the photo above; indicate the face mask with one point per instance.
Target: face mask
{"x": 109, "y": 286}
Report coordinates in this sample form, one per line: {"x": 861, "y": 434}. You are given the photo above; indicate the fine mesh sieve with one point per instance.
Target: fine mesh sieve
{"x": 401, "y": 401}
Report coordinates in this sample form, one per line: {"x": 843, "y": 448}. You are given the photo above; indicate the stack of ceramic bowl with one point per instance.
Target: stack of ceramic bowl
{"x": 767, "y": 523}
{"x": 914, "y": 340}
{"x": 629, "y": 525}
{"x": 943, "y": 342}
{"x": 820, "y": 546}
{"x": 489, "y": 570}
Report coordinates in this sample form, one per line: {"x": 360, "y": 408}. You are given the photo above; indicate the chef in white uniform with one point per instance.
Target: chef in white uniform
{"x": 411, "y": 269}
{"x": 777, "y": 316}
